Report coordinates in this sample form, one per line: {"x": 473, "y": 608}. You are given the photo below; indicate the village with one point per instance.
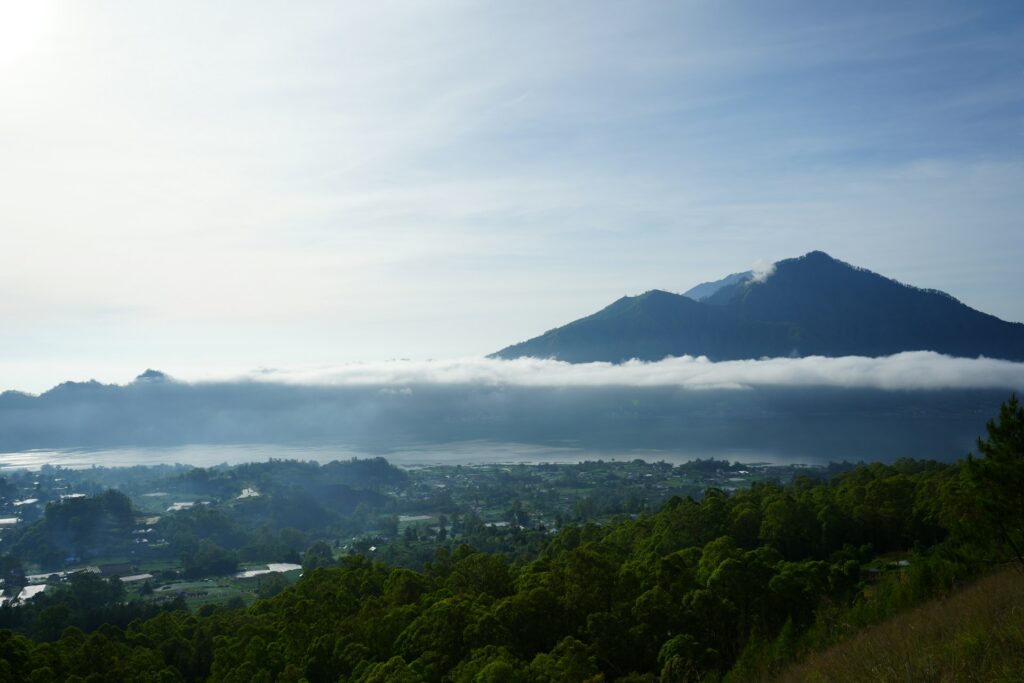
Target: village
{"x": 231, "y": 534}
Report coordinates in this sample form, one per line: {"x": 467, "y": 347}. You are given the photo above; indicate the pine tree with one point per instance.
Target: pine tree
{"x": 996, "y": 479}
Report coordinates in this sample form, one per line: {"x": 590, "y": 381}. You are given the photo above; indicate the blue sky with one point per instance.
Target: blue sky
{"x": 207, "y": 187}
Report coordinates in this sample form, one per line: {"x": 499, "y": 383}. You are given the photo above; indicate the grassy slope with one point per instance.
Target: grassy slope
{"x": 976, "y": 634}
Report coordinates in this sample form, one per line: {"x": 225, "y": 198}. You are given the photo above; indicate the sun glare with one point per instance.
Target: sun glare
{"x": 21, "y": 25}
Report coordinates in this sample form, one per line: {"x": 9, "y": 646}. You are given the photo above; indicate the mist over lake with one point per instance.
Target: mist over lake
{"x": 929, "y": 407}
{"x": 462, "y": 453}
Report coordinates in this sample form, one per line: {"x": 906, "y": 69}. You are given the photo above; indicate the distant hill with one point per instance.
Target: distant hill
{"x": 811, "y": 305}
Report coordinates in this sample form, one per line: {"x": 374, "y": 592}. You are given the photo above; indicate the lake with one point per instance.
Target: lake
{"x": 462, "y": 453}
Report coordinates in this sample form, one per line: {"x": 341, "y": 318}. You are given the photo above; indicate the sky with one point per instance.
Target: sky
{"x": 222, "y": 187}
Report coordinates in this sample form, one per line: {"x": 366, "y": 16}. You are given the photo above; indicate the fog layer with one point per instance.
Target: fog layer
{"x": 811, "y": 409}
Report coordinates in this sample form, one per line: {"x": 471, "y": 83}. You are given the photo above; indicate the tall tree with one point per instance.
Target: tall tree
{"x": 996, "y": 479}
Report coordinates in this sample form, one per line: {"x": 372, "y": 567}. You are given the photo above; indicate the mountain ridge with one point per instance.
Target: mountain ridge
{"x": 809, "y": 305}
{"x": 706, "y": 289}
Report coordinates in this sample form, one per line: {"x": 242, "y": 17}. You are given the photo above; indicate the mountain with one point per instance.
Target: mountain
{"x": 656, "y": 324}
{"x": 813, "y": 305}
{"x": 706, "y": 289}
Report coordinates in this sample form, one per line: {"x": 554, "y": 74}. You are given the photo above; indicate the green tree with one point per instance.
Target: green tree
{"x": 995, "y": 481}
{"x": 318, "y": 555}
{"x": 570, "y": 660}
{"x": 271, "y": 584}
{"x": 395, "y": 670}
{"x": 481, "y": 573}
{"x": 12, "y": 574}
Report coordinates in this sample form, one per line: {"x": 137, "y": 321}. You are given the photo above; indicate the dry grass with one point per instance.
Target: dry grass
{"x": 976, "y": 634}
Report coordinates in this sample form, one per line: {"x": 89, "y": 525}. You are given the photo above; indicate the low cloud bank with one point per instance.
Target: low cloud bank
{"x": 917, "y": 370}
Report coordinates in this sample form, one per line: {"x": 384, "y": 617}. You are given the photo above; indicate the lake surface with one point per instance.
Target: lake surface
{"x": 464, "y": 453}
{"x": 490, "y": 424}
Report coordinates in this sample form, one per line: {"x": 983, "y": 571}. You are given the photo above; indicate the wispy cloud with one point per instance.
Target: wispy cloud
{"x": 762, "y": 270}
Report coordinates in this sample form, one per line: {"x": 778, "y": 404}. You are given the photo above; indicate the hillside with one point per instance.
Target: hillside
{"x": 976, "y": 634}
{"x": 811, "y": 305}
